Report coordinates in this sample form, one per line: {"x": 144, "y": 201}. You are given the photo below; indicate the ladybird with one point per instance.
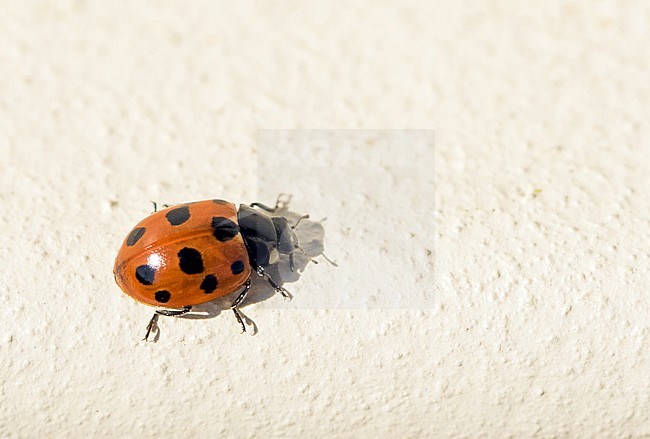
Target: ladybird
{"x": 196, "y": 252}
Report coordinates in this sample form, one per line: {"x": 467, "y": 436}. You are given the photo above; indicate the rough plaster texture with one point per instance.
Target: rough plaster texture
{"x": 540, "y": 323}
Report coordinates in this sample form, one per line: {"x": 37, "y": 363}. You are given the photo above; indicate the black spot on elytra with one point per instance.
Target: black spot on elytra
{"x": 237, "y": 267}
{"x": 190, "y": 261}
{"x": 209, "y": 284}
{"x": 220, "y": 202}
{"x": 162, "y": 296}
{"x": 223, "y": 229}
{"x": 144, "y": 274}
{"x": 135, "y": 236}
{"x": 178, "y": 216}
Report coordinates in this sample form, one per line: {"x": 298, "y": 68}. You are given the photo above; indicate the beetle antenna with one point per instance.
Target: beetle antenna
{"x": 298, "y": 222}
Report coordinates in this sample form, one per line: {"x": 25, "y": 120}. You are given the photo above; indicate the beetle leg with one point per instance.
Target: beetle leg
{"x": 279, "y": 203}
{"x": 278, "y": 289}
{"x": 174, "y": 312}
{"x": 164, "y": 312}
{"x": 238, "y": 301}
{"x": 155, "y": 206}
{"x": 150, "y": 326}
{"x": 306, "y": 255}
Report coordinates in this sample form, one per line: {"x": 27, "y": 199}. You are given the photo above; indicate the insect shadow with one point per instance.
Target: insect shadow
{"x": 310, "y": 235}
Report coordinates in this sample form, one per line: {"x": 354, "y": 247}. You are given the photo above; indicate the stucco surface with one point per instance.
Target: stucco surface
{"x": 529, "y": 238}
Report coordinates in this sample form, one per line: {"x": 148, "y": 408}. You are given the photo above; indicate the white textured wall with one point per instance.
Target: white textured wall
{"x": 540, "y": 325}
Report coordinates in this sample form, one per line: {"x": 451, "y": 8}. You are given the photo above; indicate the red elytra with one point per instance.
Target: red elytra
{"x": 196, "y": 252}
{"x": 176, "y": 258}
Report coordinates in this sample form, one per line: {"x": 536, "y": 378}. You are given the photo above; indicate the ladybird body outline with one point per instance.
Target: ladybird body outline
{"x": 197, "y": 252}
